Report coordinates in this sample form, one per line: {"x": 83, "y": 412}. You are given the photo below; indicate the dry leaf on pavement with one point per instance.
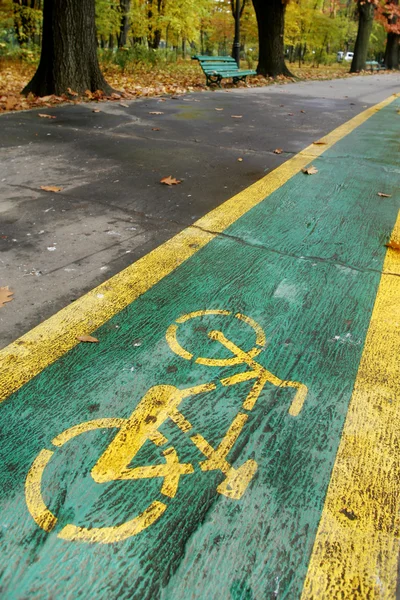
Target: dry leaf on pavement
{"x": 87, "y": 338}
{"x": 218, "y": 109}
{"x": 240, "y": 159}
{"x": 311, "y": 170}
{"x": 278, "y": 151}
{"x": 43, "y": 116}
{"x": 96, "y": 110}
{"x": 382, "y": 195}
{"x": 319, "y": 143}
{"x": 155, "y": 129}
{"x": 156, "y": 112}
{"x": 50, "y": 188}
{"x": 6, "y": 295}
{"x": 11, "y": 102}
{"x": 170, "y": 180}
{"x": 124, "y": 104}
{"x": 393, "y": 244}
{"x": 71, "y": 92}
{"x": 237, "y": 116}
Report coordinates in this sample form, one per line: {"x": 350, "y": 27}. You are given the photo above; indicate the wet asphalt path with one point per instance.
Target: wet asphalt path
{"x": 112, "y": 208}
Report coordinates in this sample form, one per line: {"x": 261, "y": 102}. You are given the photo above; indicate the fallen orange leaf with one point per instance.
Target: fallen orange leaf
{"x": 96, "y": 110}
{"x": 124, "y": 105}
{"x": 156, "y": 112}
{"x": 393, "y": 244}
{"x": 6, "y": 295}
{"x": 237, "y": 116}
{"x": 170, "y": 180}
{"x": 87, "y": 338}
{"x": 278, "y": 151}
{"x": 50, "y": 188}
{"x": 155, "y": 129}
{"x": 71, "y": 92}
{"x": 318, "y": 143}
{"x": 311, "y": 170}
{"x": 43, "y": 116}
{"x": 11, "y": 102}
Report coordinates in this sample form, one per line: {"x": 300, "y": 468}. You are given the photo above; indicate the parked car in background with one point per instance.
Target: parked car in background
{"x": 347, "y": 56}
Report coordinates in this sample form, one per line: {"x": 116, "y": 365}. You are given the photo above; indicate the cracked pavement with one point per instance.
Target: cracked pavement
{"x": 112, "y": 209}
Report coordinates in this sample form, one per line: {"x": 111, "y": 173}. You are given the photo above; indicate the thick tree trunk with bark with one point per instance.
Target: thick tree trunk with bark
{"x": 366, "y": 12}
{"x": 69, "y": 50}
{"x": 271, "y": 21}
{"x": 154, "y": 35}
{"x": 392, "y": 52}
{"x": 125, "y": 22}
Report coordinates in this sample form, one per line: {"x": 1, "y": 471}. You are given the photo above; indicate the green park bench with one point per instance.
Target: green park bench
{"x": 373, "y": 65}
{"x": 216, "y": 68}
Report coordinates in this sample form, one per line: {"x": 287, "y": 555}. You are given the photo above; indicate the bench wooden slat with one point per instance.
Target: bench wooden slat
{"x": 219, "y": 69}
{"x": 240, "y": 73}
{"x": 213, "y": 58}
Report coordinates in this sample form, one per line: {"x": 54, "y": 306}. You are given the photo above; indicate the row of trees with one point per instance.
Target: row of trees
{"x": 72, "y": 30}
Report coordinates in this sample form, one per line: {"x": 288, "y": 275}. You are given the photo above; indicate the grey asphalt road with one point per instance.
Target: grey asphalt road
{"x": 112, "y": 208}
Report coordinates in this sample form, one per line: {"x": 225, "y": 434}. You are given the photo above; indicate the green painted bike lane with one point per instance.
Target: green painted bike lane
{"x": 305, "y": 265}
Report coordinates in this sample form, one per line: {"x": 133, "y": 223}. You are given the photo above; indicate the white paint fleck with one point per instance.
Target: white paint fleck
{"x": 346, "y": 270}
{"x": 276, "y": 590}
{"x": 286, "y": 290}
{"x": 346, "y": 339}
{"x": 51, "y": 248}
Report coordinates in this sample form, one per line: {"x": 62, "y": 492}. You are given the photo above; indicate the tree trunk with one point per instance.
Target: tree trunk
{"x": 69, "y": 50}
{"x": 125, "y": 22}
{"x": 392, "y": 50}
{"x": 366, "y": 12}
{"x": 154, "y": 35}
{"x": 271, "y": 20}
{"x": 21, "y": 21}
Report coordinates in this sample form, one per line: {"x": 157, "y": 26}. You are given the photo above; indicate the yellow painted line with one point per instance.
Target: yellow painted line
{"x": 356, "y": 548}
{"x": 30, "y": 354}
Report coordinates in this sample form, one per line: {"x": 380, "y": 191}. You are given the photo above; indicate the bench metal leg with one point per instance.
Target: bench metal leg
{"x": 237, "y": 79}
{"x": 214, "y": 80}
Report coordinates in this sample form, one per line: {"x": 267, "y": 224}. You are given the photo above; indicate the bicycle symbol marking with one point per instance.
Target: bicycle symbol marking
{"x": 161, "y": 402}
